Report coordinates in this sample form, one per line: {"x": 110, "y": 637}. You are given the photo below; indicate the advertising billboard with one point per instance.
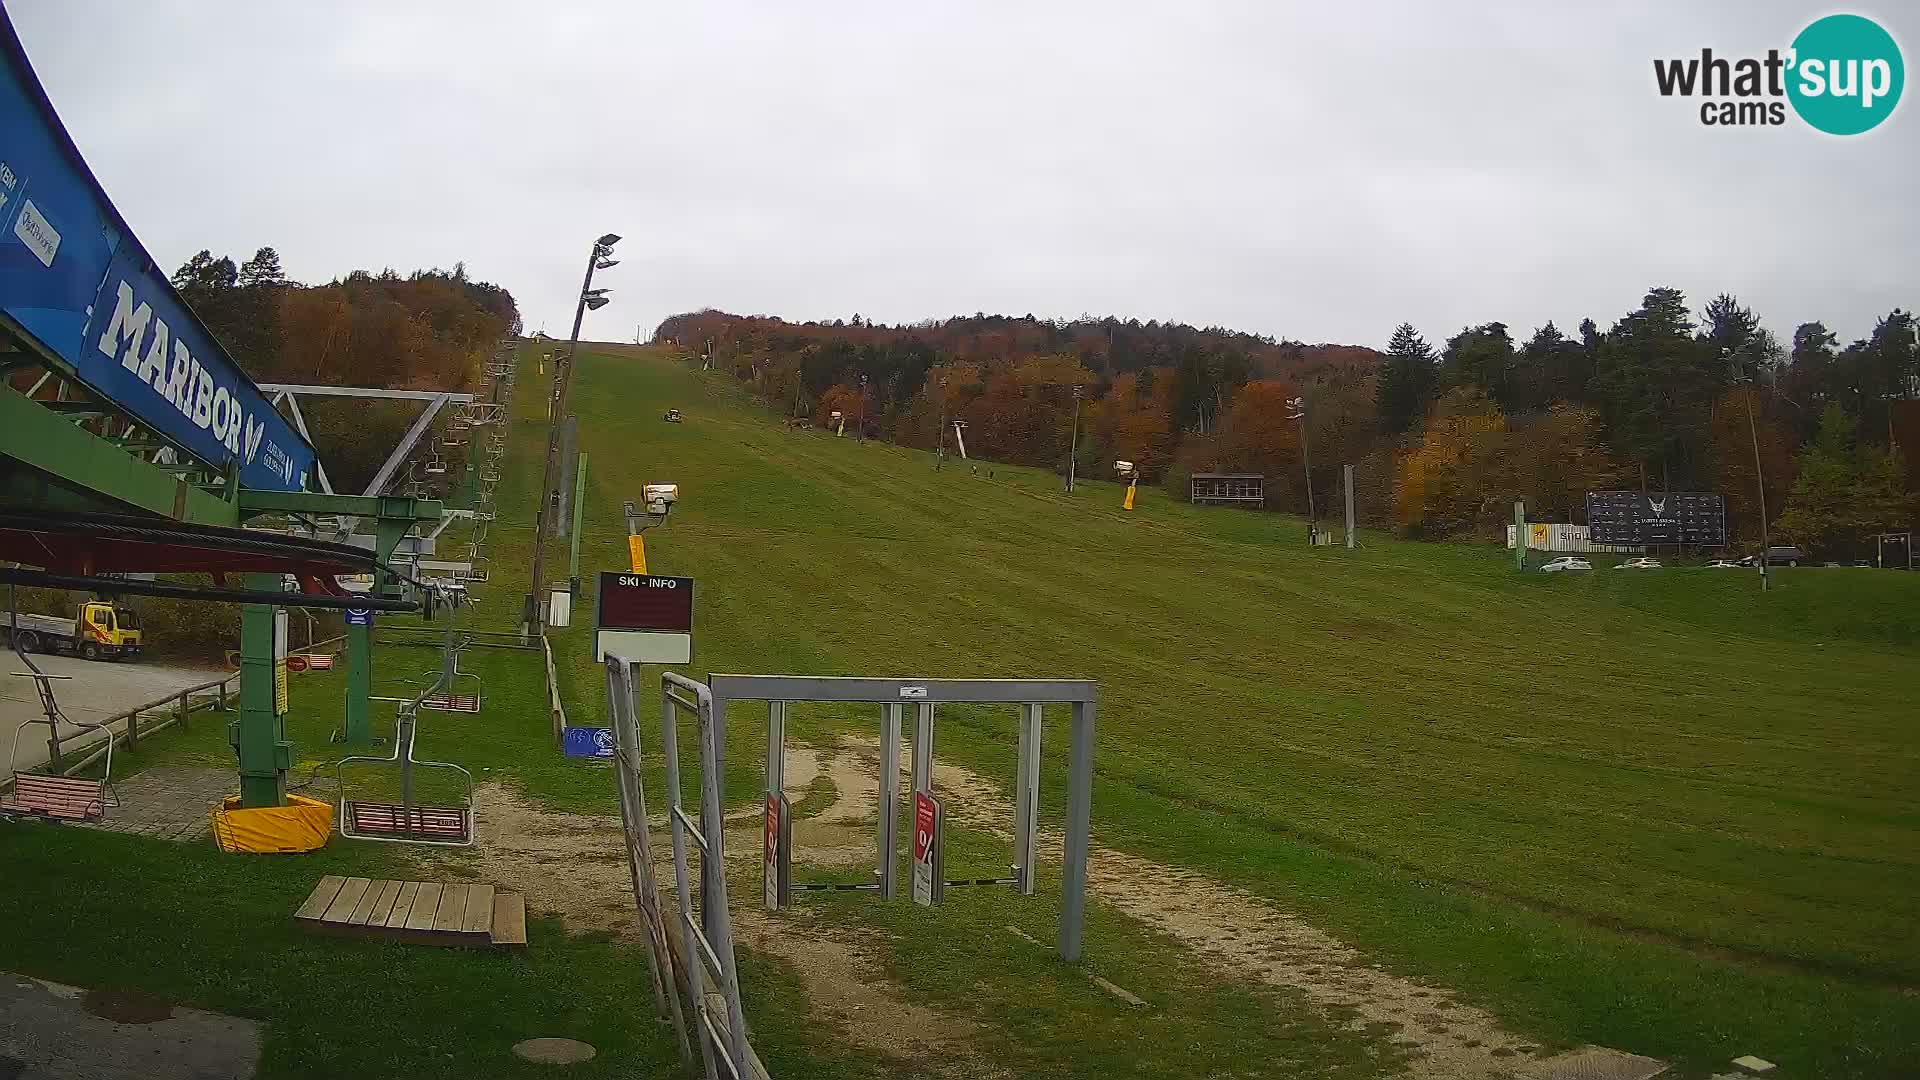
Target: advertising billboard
{"x": 74, "y": 278}
{"x": 1657, "y": 517}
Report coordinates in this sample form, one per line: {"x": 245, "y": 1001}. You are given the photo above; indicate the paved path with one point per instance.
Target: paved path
{"x": 49, "y": 1031}
{"x": 96, "y": 691}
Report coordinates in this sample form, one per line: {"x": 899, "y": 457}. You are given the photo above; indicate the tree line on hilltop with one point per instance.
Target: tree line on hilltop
{"x": 429, "y": 330}
{"x": 1444, "y": 438}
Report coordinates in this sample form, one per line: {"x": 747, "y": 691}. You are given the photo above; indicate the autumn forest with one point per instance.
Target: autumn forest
{"x": 1444, "y": 436}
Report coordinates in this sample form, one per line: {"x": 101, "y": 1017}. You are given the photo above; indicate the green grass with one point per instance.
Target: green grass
{"x": 1654, "y": 811}
{"x": 1659, "y": 811}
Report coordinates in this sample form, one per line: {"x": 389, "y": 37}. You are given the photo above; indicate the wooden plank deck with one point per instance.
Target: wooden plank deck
{"x": 424, "y": 912}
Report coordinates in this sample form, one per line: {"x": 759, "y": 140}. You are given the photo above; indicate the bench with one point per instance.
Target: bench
{"x": 462, "y": 703}
{"x": 62, "y": 798}
{"x": 371, "y": 819}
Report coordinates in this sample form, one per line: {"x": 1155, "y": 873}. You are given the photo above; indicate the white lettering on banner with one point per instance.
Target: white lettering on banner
{"x": 176, "y": 384}
{"x": 127, "y": 328}
{"x": 219, "y": 424}
{"x": 37, "y": 233}
{"x": 184, "y": 383}
{"x": 155, "y": 365}
{"x": 203, "y": 399}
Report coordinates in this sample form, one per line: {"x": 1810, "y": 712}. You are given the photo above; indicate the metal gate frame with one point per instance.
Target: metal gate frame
{"x": 1031, "y": 695}
{"x": 709, "y": 953}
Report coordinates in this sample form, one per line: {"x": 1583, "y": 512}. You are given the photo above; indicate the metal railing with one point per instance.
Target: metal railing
{"x": 693, "y": 962}
{"x": 183, "y": 705}
{"x": 555, "y": 710}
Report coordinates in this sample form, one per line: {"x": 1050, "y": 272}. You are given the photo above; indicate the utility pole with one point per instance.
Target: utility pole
{"x": 860, "y": 433}
{"x": 1073, "y": 447}
{"x": 1297, "y": 410}
{"x": 1346, "y": 486}
{"x": 1760, "y": 486}
{"x": 533, "y": 615}
{"x": 940, "y": 454}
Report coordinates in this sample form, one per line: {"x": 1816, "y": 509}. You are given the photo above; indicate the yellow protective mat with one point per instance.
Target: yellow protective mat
{"x": 302, "y": 825}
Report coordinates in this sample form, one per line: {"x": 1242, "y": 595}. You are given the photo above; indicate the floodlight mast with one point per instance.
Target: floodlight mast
{"x": 1297, "y": 410}
{"x": 534, "y": 613}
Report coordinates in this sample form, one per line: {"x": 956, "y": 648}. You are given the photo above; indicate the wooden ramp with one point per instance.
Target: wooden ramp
{"x": 422, "y": 912}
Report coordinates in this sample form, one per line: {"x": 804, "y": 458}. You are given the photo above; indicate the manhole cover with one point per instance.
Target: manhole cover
{"x": 553, "y": 1051}
{"x": 1599, "y": 1063}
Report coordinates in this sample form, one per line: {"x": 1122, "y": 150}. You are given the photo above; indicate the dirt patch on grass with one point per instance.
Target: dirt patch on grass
{"x": 1245, "y": 935}
{"x": 574, "y": 866}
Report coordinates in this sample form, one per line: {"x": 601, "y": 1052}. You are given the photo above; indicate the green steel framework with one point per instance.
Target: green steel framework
{"x": 51, "y": 459}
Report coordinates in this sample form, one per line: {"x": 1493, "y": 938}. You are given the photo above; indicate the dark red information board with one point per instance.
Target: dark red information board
{"x": 644, "y": 602}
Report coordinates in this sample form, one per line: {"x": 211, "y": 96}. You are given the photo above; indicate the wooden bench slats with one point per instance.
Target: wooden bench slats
{"x": 426, "y": 903}
{"x": 350, "y": 893}
{"x": 321, "y": 896}
{"x": 363, "y": 911}
{"x": 453, "y": 908}
{"x": 68, "y": 798}
{"x": 422, "y": 912}
{"x": 402, "y": 904}
{"x": 479, "y": 909}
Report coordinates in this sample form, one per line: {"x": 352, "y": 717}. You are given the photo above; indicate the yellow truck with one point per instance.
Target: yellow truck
{"x": 102, "y": 631}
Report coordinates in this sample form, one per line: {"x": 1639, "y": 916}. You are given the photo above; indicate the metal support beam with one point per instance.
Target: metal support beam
{"x": 887, "y": 842}
{"x": 923, "y": 749}
{"x": 259, "y": 735}
{"x": 1073, "y": 870}
{"x": 300, "y": 423}
{"x": 579, "y": 514}
{"x": 378, "y": 485}
{"x": 1026, "y": 799}
{"x": 76, "y": 469}
{"x": 305, "y": 390}
{"x": 254, "y": 502}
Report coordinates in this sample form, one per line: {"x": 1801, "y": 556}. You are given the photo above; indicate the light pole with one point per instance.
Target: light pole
{"x": 940, "y": 452}
{"x": 1297, "y": 410}
{"x": 860, "y": 433}
{"x": 1073, "y": 447}
{"x": 534, "y": 614}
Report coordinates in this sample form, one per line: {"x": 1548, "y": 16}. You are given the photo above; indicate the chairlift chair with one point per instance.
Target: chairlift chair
{"x": 445, "y": 696}
{"x": 406, "y": 821}
{"x": 48, "y": 795}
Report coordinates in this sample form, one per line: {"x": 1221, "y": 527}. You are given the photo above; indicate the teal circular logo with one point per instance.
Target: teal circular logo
{"x": 1846, "y": 75}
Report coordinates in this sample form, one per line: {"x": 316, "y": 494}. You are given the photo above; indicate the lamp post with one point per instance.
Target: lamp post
{"x": 1297, "y": 410}
{"x": 1759, "y": 477}
{"x": 1073, "y": 447}
{"x": 860, "y": 432}
{"x": 534, "y": 615}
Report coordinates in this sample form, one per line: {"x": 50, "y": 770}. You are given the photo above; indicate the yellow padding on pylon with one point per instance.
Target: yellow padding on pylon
{"x": 302, "y": 825}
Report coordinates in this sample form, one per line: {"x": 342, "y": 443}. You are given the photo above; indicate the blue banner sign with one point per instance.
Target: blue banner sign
{"x": 73, "y": 276}
{"x": 587, "y": 742}
{"x": 359, "y": 616}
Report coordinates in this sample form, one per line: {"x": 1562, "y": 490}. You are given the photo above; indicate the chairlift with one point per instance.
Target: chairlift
{"x": 406, "y": 821}
{"x": 445, "y": 697}
{"x": 49, "y": 795}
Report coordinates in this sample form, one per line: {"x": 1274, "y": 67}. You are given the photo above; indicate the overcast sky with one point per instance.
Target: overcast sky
{"x": 1311, "y": 171}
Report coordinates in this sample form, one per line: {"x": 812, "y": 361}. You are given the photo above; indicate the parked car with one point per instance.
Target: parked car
{"x": 1565, "y": 562}
{"x": 1778, "y": 555}
{"x": 1642, "y": 563}
{"x": 1723, "y": 564}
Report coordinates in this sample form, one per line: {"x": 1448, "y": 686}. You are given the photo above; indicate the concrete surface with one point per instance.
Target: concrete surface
{"x": 49, "y": 1031}
{"x": 97, "y": 690}
{"x": 169, "y": 802}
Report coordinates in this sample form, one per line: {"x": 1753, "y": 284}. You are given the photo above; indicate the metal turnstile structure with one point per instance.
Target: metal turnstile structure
{"x": 1029, "y": 696}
